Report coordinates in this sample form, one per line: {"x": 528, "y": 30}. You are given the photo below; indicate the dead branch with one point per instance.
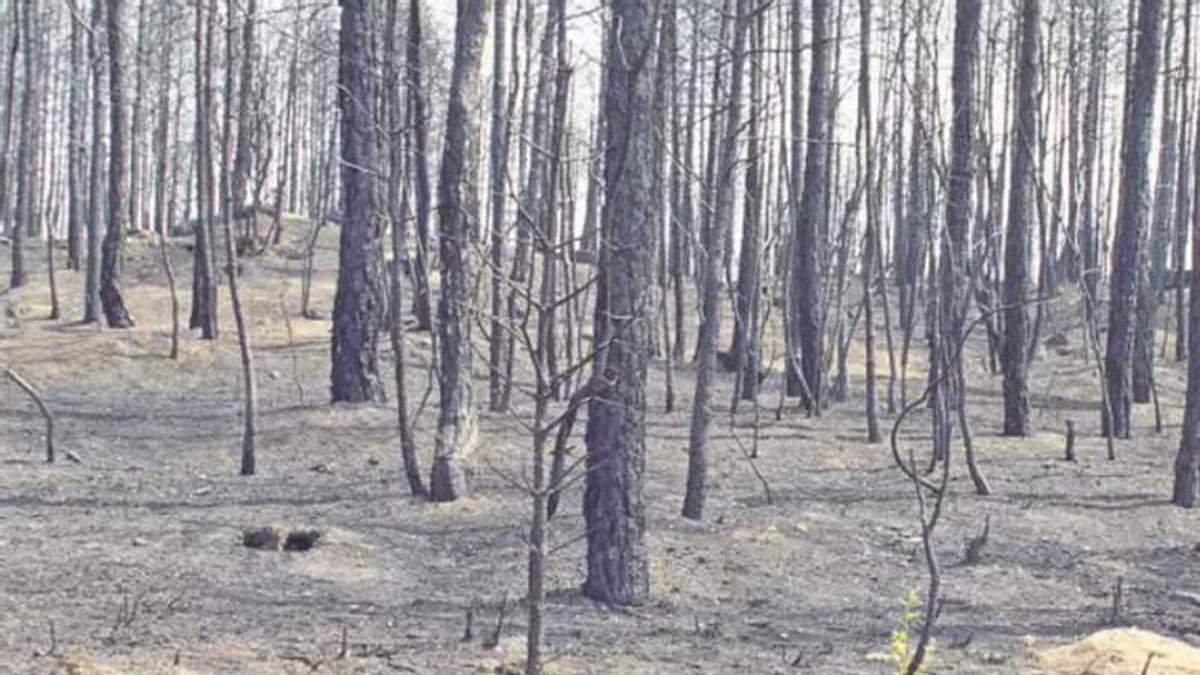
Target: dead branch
{"x": 41, "y": 404}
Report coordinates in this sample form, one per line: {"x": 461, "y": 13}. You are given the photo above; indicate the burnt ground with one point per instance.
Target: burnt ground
{"x": 134, "y": 559}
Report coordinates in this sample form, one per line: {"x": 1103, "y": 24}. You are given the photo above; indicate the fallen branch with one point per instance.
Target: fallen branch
{"x": 28, "y": 389}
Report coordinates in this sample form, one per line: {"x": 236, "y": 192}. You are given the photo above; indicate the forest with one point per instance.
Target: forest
{"x": 599, "y": 336}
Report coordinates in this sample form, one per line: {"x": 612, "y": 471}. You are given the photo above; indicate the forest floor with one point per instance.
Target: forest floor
{"x": 133, "y": 561}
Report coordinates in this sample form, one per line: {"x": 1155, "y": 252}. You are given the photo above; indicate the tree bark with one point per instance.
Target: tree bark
{"x": 804, "y": 306}
{"x": 76, "y": 148}
{"x": 418, "y": 122}
{"x": 1151, "y": 276}
{"x": 458, "y": 216}
{"x": 618, "y": 569}
{"x": 111, "y": 299}
{"x": 1132, "y": 213}
{"x": 713, "y": 245}
{"x": 1021, "y": 214}
{"x": 359, "y": 304}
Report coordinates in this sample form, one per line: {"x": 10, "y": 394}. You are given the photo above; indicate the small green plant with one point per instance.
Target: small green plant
{"x": 900, "y": 647}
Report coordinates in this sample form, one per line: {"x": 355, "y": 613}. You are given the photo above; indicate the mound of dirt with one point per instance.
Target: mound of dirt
{"x": 1120, "y": 651}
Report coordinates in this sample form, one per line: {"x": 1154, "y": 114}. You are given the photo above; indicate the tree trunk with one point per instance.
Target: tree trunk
{"x": 30, "y": 147}
{"x": 458, "y": 216}
{"x": 76, "y": 148}
{"x": 397, "y": 204}
{"x": 1021, "y": 212}
{"x": 111, "y": 299}
{"x": 1132, "y": 213}
{"x": 1183, "y": 197}
{"x": 618, "y": 568}
{"x": 204, "y": 272}
{"x": 498, "y": 178}
{"x": 418, "y": 122}
{"x": 804, "y": 306}
{"x": 713, "y": 245}
{"x": 91, "y": 295}
{"x": 748, "y": 297}
{"x": 1151, "y": 276}
{"x": 136, "y": 119}
{"x": 358, "y": 309}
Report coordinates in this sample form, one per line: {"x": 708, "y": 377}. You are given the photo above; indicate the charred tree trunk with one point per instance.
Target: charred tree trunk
{"x": 1152, "y": 275}
{"x": 1021, "y": 214}
{"x": 418, "y": 122}
{"x": 1132, "y": 213}
{"x": 804, "y": 306}
{"x": 618, "y": 568}
{"x": 358, "y": 309}
{"x": 204, "y": 269}
{"x": 111, "y": 300}
{"x": 458, "y": 215}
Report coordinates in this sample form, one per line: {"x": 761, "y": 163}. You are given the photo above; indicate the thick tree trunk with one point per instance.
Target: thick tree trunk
{"x": 1021, "y": 214}
{"x": 618, "y": 568}
{"x": 111, "y": 300}
{"x": 358, "y": 309}
{"x": 1151, "y": 276}
{"x": 1132, "y": 213}
{"x": 458, "y": 217}
{"x": 804, "y": 306}
{"x": 204, "y": 269}
{"x": 954, "y": 262}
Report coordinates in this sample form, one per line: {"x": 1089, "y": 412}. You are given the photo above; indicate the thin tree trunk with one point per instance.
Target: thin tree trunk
{"x": 714, "y": 242}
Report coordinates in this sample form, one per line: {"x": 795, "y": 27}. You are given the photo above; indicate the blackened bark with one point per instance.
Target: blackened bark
{"x": 204, "y": 268}
{"x": 804, "y": 283}
{"x": 417, "y": 121}
{"x": 614, "y": 509}
{"x": 111, "y": 299}
{"x": 359, "y": 304}
{"x": 1132, "y": 213}
{"x": 458, "y": 216}
{"x": 954, "y": 261}
{"x": 1152, "y": 275}
{"x": 1021, "y": 214}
